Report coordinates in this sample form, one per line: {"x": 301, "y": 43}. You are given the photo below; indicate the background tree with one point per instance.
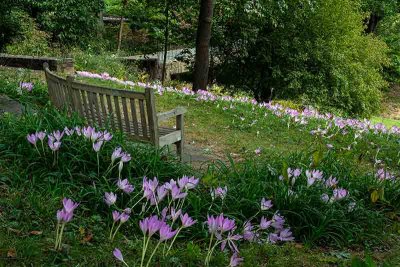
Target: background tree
{"x": 201, "y": 66}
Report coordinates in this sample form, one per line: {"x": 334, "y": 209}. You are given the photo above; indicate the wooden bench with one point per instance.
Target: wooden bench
{"x": 131, "y": 112}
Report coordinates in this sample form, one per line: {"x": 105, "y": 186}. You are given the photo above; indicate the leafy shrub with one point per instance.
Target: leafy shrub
{"x": 389, "y": 30}
{"x": 313, "y": 51}
{"x": 31, "y": 40}
{"x": 70, "y": 22}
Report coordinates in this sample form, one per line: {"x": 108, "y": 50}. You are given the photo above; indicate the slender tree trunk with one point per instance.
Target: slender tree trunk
{"x": 202, "y": 60}
{"x": 372, "y": 23}
{"x": 121, "y": 25}
{"x": 166, "y": 36}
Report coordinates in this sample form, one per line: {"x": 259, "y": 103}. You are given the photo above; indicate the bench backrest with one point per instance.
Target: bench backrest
{"x": 129, "y": 111}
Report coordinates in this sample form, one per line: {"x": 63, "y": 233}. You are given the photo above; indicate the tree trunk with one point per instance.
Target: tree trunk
{"x": 166, "y": 34}
{"x": 121, "y": 25}
{"x": 372, "y": 23}
{"x": 202, "y": 60}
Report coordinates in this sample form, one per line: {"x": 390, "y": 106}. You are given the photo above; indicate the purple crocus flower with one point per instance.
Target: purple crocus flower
{"x": 41, "y": 135}
{"x": 235, "y": 260}
{"x": 110, "y": 198}
{"x": 78, "y": 130}
{"x": 154, "y": 225}
{"x": 116, "y": 154}
{"x": 188, "y": 182}
{"x": 117, "y": 254}
{"x": 58, "y": 135}
{"x": 124, "y": 217}
{"x": 95, "y": 135}
{"x": 69, "y": 205}
{"x": 170, "y": 184}
{"x": 264, "y": 223}
{"x": 116, "y": 215}
{"x": 161, "y": 193}
{"x": 144, "y": 225}
{"x": 273, "y": 238}
{"x": 166, "y": 232}
{"x": 32, "y": 138}
{"x": 54, "y": 146}
{"x": 231, "y": 241}
{"x": 107, "y": 136}
{"x": 125, "y": 157}
{"x": 176, "y": 193}
{"x": 219, "y": 192}
{"x": 266, "y": 204}
{"x": 28, "y": 86}
{"x": 63, "y": 216}
{"x": 248, "y": 233}
{"x": 125, "y": 186}
{"x": 175, "y": 214}
{"x": 257, "y": 151}
{"x": 286, "y": 235}
{"x": 339, "y": 193}
{"x": 187, "y": 221}
{"x": 277, "y": 221}
{"x": 331, "y": 182}
{"x": 97, "y": 146}
{"x": 87, "y": 132}
{"x": 68, "y": 132}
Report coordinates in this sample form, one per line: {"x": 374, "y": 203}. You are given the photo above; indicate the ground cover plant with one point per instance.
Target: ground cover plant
{"x": 129, "y": 200}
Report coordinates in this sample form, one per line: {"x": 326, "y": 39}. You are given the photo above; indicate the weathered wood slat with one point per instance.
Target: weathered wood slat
{"x": 143, "y": 117}
{"x": 110, "y": 111}
{"x": 126, "y": 115}
{"x": 103, "y": 109}
{"x": 152, "y": 116}
{"x": 134, "y": 116}
{"x": 118, "y": 111}
{"x": 85, "y": 105}
{"x": 108, "y": 91}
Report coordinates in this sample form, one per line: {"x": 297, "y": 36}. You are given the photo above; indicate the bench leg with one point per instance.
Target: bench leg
{"x": 179, "y": 149}
{"x": 179, "y": 145}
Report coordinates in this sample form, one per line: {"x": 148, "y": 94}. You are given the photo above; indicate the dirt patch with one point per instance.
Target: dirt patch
{"x": 391, "y": 103}
{"x": 9, "y": 105}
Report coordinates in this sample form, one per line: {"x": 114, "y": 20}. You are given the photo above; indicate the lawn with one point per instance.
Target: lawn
{"x": 255, "y": 147}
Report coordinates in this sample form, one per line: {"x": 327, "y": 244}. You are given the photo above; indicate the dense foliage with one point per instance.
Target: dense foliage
{"x": 315, "y": 51}
{"x": 335, "y": 55}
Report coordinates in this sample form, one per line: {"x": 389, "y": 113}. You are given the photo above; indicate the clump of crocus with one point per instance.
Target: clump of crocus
{"x": 186, "y": 221}
{"x": 382, "y": 175}
{"x": 312, "y": 176}
{"x": 121, "y": 218}
{"x": 125, "y": 186}
{"x": 219, "y": 192}
{"x": 110, "y": 198}
{"x": 149, "y": 227}
{"x": 63, "y": 216}
{"x": 28, "y": 86}
{"x": 235, "y": 260}
{"x": 217, "y": 227}
{"x": 266, "y": 204}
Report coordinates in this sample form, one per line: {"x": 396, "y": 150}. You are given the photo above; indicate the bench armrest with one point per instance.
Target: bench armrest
{"x": 172, "y": 113}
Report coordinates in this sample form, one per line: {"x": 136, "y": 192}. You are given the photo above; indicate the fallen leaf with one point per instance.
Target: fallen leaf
{"x": 36, "y": 232}
{"x": 87, "y": 238}
{"x": 12, "y": 253}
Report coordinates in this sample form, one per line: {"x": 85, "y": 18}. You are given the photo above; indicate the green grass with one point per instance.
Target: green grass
{"x": 386, "y": 121}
